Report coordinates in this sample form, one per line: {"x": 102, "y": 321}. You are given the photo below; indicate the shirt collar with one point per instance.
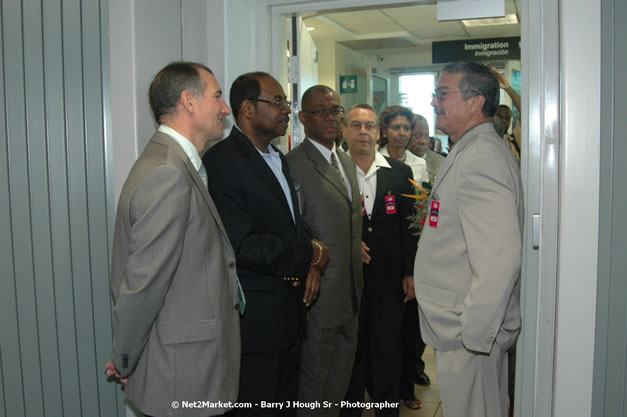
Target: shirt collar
{"x": 326, "y": 152}
{"x": 188, "y": 147}
{"x": 379, "y": 162}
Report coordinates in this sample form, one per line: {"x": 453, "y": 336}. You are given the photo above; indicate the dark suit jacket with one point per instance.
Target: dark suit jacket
{"x": 271, "y": 249}
{"x": 336, "y": 220}
{"x": 391, "y": 242}
{"x": 175, "y": 315}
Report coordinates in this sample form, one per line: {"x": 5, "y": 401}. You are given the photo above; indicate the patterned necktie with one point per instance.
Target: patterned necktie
{"x": 202, "y": 171}
{"x": 339, "y": 172}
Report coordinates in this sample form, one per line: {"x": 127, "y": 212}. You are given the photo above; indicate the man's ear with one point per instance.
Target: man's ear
{"x": 188, "y": 101}
{"x": 476, "y": 104}
{"x": 301, "y": 117}
{"x": 247, "y": 108}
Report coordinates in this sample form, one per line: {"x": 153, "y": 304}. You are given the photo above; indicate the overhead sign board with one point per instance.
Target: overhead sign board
{"x": 476, "y": 50}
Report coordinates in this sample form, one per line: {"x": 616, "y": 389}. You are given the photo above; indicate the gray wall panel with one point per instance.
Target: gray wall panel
{"x": 39, "y": 214}
{"x": 59, "y": 212}
{"x": 54, "y": 210}
{"x": 610, "y": 366}
{"x": 20, "y": 208}
{"x": 12, "y": 394}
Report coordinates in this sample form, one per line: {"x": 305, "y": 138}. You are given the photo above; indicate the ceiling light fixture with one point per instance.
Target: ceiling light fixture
{"x": 310, "y": 28}
{"x": 510, "y": 19}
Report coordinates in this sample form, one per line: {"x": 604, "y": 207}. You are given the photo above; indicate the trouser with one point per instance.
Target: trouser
{"x": 326, "y": 364}
{"x": 473, "y": 385}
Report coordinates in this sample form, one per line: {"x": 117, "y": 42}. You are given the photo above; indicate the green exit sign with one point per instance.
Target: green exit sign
{"x": 348, "y": 83}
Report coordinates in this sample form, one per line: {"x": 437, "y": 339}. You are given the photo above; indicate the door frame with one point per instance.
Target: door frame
{"x": 542, "y": 158}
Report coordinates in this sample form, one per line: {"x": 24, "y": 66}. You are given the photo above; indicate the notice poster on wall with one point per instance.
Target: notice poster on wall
{"x": 476, "y": 50}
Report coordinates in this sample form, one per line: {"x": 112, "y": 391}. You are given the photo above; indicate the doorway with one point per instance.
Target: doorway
{"x": 540, "y": 80}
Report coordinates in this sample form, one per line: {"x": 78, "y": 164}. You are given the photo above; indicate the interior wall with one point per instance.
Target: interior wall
{"x": 196, "y": 32}
{"x": 350, "y": 62}
{"x": 326, "y": 63}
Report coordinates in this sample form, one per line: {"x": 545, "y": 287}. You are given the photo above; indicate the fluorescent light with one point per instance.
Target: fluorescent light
{"x": 310, "y": 28}
{"x": 509, "y": 19}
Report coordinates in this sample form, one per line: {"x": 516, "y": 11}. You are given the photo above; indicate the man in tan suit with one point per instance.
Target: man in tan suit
{"x": 176, "y": 301}
{"x": 467, "y": 270}
{"x": 326, "y": 181}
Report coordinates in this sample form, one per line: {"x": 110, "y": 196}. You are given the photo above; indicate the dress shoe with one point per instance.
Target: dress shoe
{"x": 423, "y": 379}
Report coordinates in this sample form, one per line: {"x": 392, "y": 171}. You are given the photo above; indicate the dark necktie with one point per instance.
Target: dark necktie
{"x": 339, "y": 172}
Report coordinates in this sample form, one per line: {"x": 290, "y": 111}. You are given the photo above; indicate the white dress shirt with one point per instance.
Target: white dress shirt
{"x": 367, "y": 181}
{"x": 188, "y": 147}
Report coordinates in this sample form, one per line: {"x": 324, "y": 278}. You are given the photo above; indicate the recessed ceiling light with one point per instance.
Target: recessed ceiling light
{"x": 310, "y": 28}
{"x": 510, "y": 19}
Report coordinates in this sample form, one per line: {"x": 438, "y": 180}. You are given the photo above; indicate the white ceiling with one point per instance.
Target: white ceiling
{"x": 374, "y": 30}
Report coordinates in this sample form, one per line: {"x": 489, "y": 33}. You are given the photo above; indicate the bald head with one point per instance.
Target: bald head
{"x": 311, "y": 91}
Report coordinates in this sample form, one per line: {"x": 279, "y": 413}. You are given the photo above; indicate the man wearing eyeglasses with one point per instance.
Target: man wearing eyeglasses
{"x": 278, "y": 262}
{"x": 467, "y": 269}
{"x": 329, "y": 196}
{"x": 388, "y": 280}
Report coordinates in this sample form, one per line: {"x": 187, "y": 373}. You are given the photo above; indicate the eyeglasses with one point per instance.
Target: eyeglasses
{"x": 441, "y": 95}
{"x": 281, "y": 103}
{"x": 369, "y": 126}
{"x": 335, "y": 111}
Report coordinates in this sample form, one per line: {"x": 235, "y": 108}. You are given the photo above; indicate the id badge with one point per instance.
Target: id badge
{"x": 434, "y": 214}
{"x": 390, "y": 204}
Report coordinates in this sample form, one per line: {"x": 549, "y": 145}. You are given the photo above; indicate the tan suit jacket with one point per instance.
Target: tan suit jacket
{"x": 175, "y": 317}
{"x": 467, "y": 268}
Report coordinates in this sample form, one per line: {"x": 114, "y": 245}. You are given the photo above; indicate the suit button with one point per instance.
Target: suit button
{"x": 231, "y": 265}
{"x": 370, "y": 229}
{"x": 236, "y": 306}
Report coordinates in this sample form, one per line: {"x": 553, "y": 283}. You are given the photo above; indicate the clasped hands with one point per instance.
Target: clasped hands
{"x": 111, "y": 370}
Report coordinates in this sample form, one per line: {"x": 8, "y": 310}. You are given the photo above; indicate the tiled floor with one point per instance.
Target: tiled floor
{"x": 430, "y": 396}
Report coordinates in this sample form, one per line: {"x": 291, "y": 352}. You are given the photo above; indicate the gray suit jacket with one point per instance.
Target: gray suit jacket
{"x": 467, "y": 270}
{"x": 434, "y": 161}
{"x": 336, "y": 221}
{"x": 175, "y": 317}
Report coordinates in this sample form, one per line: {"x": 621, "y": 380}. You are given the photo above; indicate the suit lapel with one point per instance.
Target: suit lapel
{"x": 383, "y": 185}
{"x": 163, "y": 139}
{"x": 324, "y": 168}
{"x": 261, "y": 168}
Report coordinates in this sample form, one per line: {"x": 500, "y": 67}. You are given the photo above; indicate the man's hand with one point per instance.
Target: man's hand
{"x": 110, "y": 370}
{"x": 408, "y": 288}
{"x": 320, "y": 256}
{"x": 365, "y": 253}
{"x": 312, "y": 285}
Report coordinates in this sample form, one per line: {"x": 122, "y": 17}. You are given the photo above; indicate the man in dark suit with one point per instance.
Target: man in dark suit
{"x": 278, "y": 263}
{"x": 329, "y": 198}
{"x": 175, "y": 292}
{"x": 388, "y": 280}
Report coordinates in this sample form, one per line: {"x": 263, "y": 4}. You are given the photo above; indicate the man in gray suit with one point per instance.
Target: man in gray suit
{"x": 175, "y": 291}
{"x": 326, "y": 182}
{"x": 467, "y": 269}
